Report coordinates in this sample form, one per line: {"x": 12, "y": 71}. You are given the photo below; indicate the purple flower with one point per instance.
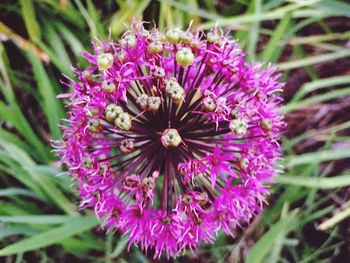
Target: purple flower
{"x": 172, "y": 138}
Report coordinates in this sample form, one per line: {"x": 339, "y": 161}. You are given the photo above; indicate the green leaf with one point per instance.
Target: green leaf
{"x": 338, "y": 7}
{"x": 16, "y": 230}
{"x": 313, "y": 60}
{"x": 319, "y": 156}
{"x": 127, "y": 11}
{"x": 316, "y": 182}
{"x": 273, "y": 48}
{"x": 40, "y": 177}
{"x": 265, "y": 243}
{"x": 337, "y": 93}
{"x": 49, "y": 101}
{"x": 53, "y": 236}
{"x": 37, "y": 219}
{"x": 271, "y": 15}
{"x": 338, "y": 217}
{"x": 11, "y": 191}
{"x": 32, "y": 25}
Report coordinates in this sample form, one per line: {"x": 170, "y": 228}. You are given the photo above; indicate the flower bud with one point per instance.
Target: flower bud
{"x": 94, "y": 125}
{"x": 87, "y": 163}
{"x": 186, "y": 37}
{"x": 155, "y": 46}
{"x": 213, "y": 37}
{"x": 158, "y": 72}
{"x": 153, "y": 103}
{"x": 112, "y": 112}
{"x": 171, "y": 138}
{"x": 141, "y": 101}
{"x": 128, "y": 41}
{"x": 184, "y": 57}
{"x": 132, "y": 181}
{"x": 244, "y": 162}
{"x": 173, "y": 35}
{"x": 104, "y": 61}
{"x": 148, "y": 183}
{"x": 108, "y": 86}
{"x": 177, "y": 94}
{"x": 209, "y": 103}
{"x": 170, "y": 84}
{"x": 123, "y": 121}
{"x": 239, "y": 127}
{"x": 266, "y": 124}
{"x": 127, "y": 146}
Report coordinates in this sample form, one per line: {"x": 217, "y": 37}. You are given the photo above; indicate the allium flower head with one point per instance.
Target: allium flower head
{"x": 172, "y": 137}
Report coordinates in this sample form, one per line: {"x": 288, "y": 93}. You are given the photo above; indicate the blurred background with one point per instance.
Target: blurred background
{"x": 308, "y": 216}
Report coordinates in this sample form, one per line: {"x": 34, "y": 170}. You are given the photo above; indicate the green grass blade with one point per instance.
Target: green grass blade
{"x": 14, "y": 115}
{"x": 265, "y": 243}
{"x": 271, "y": 15}
{"x": 316, "y": 182}
{"x": 319, "y": 156}
{"x": 254, "y": 31}
{"x": 53, "y": 236}
{"x": 12, "y": 191}
{"x": 37, "y": 219}
{"x": 338, "y": 93}
{"x": 320, "y": 84}
{"x": 313, "y": 60}
{"x": 39, "y": 177}
{"x": 337, "y": 218}
{"x": 30, "y": 21}
{"x": 74, "y": 43}
{"x": 16, "y": 230}
{"x": 126, "y": 12}
{"x": 273, "y": 49}
{"x": 340, "y": 7}
{"x": 50, "y": 103}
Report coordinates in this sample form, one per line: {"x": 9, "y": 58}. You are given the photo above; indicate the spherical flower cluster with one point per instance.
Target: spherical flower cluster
{"x": 172, "y": 137}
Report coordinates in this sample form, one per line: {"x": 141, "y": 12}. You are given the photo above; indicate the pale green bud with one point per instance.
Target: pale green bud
{"x": 173, "y": 35}
{"x": 153, "y": 103}
{"x": 266, "y": 125}
{"x": 171, "y": 138}
{"x": 155, "y": 46}
{"x": 112, "y": 112}
{"x": 184, "y": 57}
{"x": 123, "y": 121}
{"x": 108, "y": 86}
{"x": 128, "y": 40}
{"x": 239, "y": 127}
{"x": 94, "y": 125}
{"x": 104, "y": 61}
{"x": 142, "y": 101}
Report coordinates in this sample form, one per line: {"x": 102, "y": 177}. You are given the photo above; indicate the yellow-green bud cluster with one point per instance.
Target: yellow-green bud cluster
{"x": 127, "y": 146}
{"x": 148, "y": 102}
{"x": 184, "y": 57}
{"x": 108, "y": 86}
{"x": 128, "y": 40}
{"x": 104, "y": 61}
{"x": 213, "y": 37}
{"x": 266, "y": 124}
{"x": 174, "y": 90}
{"x": 123, "y": 121}
{"x": 239, "y": 127}
{"x": 112, "y": 112}
{"x": 94, "y": 125}
{"x": 171, "y": 138}
{"x": 153, "y": 103}
{"x": 173, "y": 35}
